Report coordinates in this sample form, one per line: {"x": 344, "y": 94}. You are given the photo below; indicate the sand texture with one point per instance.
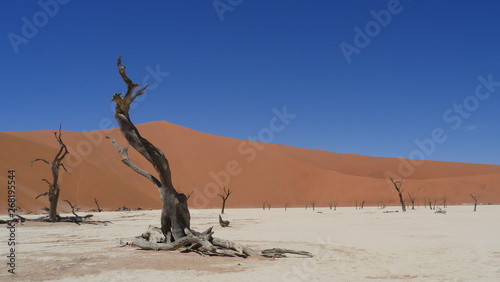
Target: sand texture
{"x": 348, "y": 244}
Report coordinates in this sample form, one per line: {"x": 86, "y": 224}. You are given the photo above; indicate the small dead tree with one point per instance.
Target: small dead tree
{"x": 224, "y": 197}
{"x": 474, "y": 198}
{"x": 445, "y": 201}
{"x": 398, "y": 186}
{"x": 333, "y": 204}
{"x": 97, "y": 204}
{"x": 264, "y": 206}
{"x": 412, "y": 200}
{"x": 313, "y": 204}
{"x": 362, "y": 204}
{"x": 54, "y": 188}
{"x": 382, "y": 205}
{"x": 286, "y": 206}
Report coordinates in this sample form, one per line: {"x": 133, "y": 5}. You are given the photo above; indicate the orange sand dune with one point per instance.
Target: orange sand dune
{"x": 202, "y": 163}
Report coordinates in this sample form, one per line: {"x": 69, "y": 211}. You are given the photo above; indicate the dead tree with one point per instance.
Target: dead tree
{"x": 430, "y": 203}
{"x": 54, "y": 188}
{"x": 412, "y": 200}
{"x": 175, "y": 217}
{"x": 474, "y": 198}
{"x": 313, "y": 204}
{"x": 445, "y": 201}
{"x": 362, "y": 204}
{"x": 382, "y": 205}
{"x": 264, "y": 206}
{"x": 333, "y": 204}
{"x": 399, "y": 189}
{"x": 97, "y": 204}
{"x": 224, "y": 197}
{"x": 286, "y": 206}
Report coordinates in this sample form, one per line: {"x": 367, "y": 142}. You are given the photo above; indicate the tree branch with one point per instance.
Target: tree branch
{"x": 43, "y": 160}
{"x": 43, "y": 194}
{"x": 126, "y": 160}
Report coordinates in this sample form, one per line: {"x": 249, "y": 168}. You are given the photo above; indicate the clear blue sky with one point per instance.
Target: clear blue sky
{"x": 229, "y": 68}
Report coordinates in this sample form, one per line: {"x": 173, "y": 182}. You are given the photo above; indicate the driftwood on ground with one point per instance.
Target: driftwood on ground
{"x": 203, "y": 243}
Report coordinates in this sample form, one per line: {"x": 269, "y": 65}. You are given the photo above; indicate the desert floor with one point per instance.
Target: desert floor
{"x": 348, "y": 244}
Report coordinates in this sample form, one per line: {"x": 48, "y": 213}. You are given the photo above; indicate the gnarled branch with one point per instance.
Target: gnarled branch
{"x": 126, "y": 160}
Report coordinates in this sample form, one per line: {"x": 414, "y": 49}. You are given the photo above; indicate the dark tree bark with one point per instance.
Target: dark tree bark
{"x": 362, "y": 204}
{"x": 397, "y": 186}
{"x": 412, "y": 199}
{"x": 175, "y": 217}
{"x": 54, "y": 188}
{"x": 224, "y": 197}
{"x": 474, "y": 198}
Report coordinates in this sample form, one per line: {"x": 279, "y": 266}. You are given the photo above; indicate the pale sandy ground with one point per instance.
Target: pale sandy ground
{"x": 349, "y": 245}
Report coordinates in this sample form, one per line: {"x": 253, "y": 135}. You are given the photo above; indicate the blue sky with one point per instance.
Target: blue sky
{"x": 225, "y": 65}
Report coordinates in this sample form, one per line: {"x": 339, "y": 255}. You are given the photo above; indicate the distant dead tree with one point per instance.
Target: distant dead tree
{"x": 356, "y": 204}
{"x": 398, "y": 186}
{"x": 286, "y": 206}
{"x": 97, "y": 204}
{"x": 362, "y": 204}
{"x": 430, "y": 203}
{"x": 224, "y": 197}
{"x": 382, "y": 205}
{"x": 425, "y": 202}
{"x": 313, "y": 204}
{"x": 412, "y": 200}
{"x": 54, "y": 188}
{"x": 435, "y": 202}
{"x": 474, "y": 198}
{"x": 264, "y": 206}
{"x": 445, "y": 201}
{"x": 333, "y": 204}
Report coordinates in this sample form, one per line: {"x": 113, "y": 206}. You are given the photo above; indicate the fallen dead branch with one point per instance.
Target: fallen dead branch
{"x": 204, "y": 244}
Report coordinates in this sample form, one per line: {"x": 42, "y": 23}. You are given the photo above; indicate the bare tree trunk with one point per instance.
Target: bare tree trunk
{"x": 97, "y": 204}
{"x": 397, "y": 186}
{"x": 224, "y": 197}
{"x": 412, "y": 199}
{"x": 474, "y": 198}
{"x": 175, "y": 217}
{"x": 54, "y": 188}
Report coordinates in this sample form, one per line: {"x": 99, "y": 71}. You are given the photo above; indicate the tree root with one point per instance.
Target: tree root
{"x": 204, "y": 244}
